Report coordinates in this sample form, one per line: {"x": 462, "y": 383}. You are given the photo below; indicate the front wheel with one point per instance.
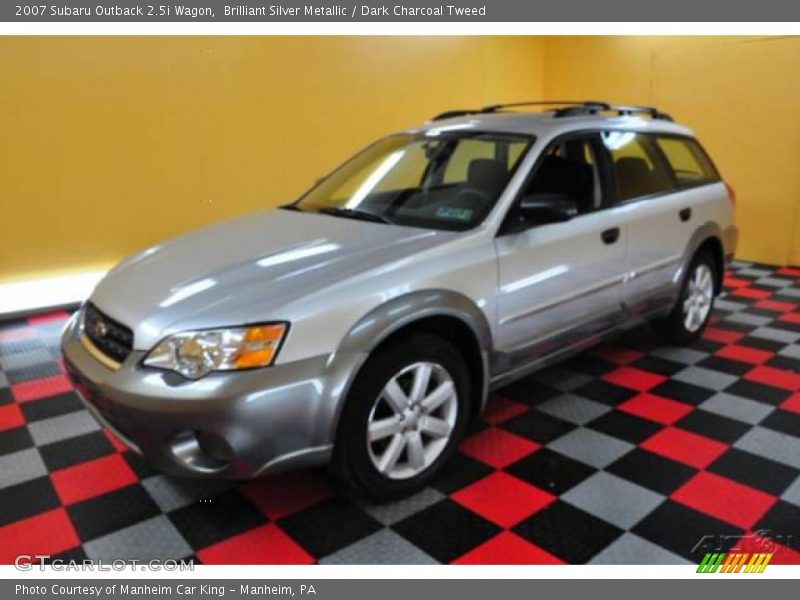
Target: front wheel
{"x": 404, "y": 416}
{"x": 689, "y": 317}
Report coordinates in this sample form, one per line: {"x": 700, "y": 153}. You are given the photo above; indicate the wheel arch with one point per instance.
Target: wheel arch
{"x": 451, "y": 315}
{"x": 708, "y": 238}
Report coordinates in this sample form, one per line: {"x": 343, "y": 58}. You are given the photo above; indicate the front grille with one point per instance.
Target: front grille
{"x": 111, "y": 337}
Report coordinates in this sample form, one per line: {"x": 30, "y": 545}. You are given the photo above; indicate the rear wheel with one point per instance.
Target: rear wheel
{"x": 404, "y": 417}
{"x": 689, "y": 317}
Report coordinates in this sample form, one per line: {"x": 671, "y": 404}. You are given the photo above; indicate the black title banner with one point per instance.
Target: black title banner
{"x": 402, "y": 11}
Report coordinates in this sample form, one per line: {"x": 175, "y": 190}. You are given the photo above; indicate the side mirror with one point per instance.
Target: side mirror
{"x": 542, "y": 209}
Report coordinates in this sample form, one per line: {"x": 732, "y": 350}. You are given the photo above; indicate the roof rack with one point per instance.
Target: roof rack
{"x": 652, "y": 111}
{"x": 564, "y": 108}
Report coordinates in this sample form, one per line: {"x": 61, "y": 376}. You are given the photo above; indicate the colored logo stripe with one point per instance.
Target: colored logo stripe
{"x": 734, "y": 562}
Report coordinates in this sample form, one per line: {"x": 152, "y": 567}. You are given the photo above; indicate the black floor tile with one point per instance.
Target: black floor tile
{"x": 713, "y": 426}
{"x": 116, "y": 510}
{"x": 446, "y": 530}
{"x": 625, "y": 426}
{"x": 756, "y": 391}
{"x": 459, "y": 472}
{"x": 652, "y": 471}
{"x": 205, "y": 523}
{"x": 53, "y": 406}
{"x": 26, "y": 500}
{"x": 550, "y": 471}
{"x": 311, "y": 528}
{"x": 757, "y": 472}
{"x": 538, "y": 426}
{"x": 568, "y": 532}
{"x": 683, "y": 392}
{"x": 76, "y": 450}
{"x": 687, "y": 532}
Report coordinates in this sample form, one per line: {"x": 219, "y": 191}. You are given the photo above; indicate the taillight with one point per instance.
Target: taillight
{"x": 731, "y": 193}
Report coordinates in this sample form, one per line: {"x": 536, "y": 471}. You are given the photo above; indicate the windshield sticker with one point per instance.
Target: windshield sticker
{"x": 449, "y": 212}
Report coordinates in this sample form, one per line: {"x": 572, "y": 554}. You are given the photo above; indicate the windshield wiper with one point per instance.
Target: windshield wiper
{"x": 354, "y": 213}
{"x": 291, "y": 206}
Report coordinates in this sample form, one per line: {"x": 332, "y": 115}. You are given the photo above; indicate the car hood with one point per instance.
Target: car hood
{"x": 243, "y": 270}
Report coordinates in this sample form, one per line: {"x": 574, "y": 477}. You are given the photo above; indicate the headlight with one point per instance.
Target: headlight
{"x": 194, "y": 354}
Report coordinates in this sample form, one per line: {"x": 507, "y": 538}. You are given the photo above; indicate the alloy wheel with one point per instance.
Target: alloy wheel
{"x": 412, "y": 420}
{"x": 699, "y": 296}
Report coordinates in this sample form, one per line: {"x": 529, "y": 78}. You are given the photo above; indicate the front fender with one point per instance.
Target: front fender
{"x": 389, "y": 318}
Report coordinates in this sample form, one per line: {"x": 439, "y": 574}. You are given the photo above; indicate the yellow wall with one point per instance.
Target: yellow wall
{"x": 111, "y": 144}
{"x": 739, "y": 94}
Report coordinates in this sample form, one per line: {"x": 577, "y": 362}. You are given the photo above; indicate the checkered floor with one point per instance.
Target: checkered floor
{"x": 630, "y": 453}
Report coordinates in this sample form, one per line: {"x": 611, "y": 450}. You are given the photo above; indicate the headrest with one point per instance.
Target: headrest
{"x": 633, "y": 167}
{"x": 556, "y": 174}
{"x": 487, "y": 174}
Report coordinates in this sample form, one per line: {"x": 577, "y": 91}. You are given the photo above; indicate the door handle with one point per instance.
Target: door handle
{"x": 685, "y": 214}
{"x": 610, "y": 235}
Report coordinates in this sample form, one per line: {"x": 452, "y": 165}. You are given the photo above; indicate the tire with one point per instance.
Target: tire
{"x": 405, "y": 452}
{"x": 697, "y": 298}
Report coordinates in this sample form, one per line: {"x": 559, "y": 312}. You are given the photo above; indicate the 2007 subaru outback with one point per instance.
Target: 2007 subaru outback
{"x": 363, "y": 324}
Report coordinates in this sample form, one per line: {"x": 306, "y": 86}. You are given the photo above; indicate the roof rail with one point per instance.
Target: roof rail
{"x": 652, "y": 111}
{"x": 587, "y": 103}
{"x": 564, "y": 108}
{"x": 492, "y": 108}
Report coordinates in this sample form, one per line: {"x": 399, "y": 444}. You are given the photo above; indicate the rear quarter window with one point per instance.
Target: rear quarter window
{"x": 687, "y": 160}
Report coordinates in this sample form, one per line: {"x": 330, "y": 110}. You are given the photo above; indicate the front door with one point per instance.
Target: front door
{"x": 560, "y": 283}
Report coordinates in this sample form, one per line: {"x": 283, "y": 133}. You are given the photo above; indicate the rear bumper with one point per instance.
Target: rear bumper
{"x": 227, "y": 425}
{"x": 730, "y": 241}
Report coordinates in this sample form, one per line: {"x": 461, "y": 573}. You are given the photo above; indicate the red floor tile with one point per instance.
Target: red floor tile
{"x": 497, "y": 448}
{"x": 746, "y": 292}
{"x": 502, "y": 499}
{"x": 792, "y": 403}
{"x": 785, "y": 556}
{"x": 616, "y": 354}
{"x": 11, "y": 417}
{"x": 265, "y": 545}
{"x": 655, "y": 408}
{"x": 92, "y": 478}
{"x": 732, "y": 282}
{"x": 507, "y": 548}
{"x": 40, "y": 388}
{"x": 745, "y": 354}
{"x": 780, "y": 378}
{"x": 635, "y": 379}
{"x": 287, "y": 493}
{"x": 683, "y": 446}
{"x": 724, "y": 499}
{"x": 46, "y": 533}
{"x": 499, "y": 409}
{"x": 774, "y": 305}
{"x": 722, "y": 336}
{"x": 790, "y": 271}
{"x": 792, "y": 317}
{"x": 48, "y": 318}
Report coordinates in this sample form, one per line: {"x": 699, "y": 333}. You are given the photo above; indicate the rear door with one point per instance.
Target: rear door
{"x": 658, "y": 218}
{"x": 561, "y": 282}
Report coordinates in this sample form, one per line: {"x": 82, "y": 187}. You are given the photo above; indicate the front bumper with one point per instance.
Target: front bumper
{"x": 228, "y": 425}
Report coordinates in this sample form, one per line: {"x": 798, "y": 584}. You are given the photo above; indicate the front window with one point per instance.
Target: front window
{"x": 446, "y": 181}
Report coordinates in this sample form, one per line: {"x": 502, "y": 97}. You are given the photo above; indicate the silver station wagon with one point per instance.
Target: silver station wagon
{"x": 363, "y": 324}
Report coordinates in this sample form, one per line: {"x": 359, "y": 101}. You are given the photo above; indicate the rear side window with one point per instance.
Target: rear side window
{"x": 637, "y": 169}
{"x": 689, "y": 163}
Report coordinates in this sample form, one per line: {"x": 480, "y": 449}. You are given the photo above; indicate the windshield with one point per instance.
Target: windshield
{"x": 446, "y": 181}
